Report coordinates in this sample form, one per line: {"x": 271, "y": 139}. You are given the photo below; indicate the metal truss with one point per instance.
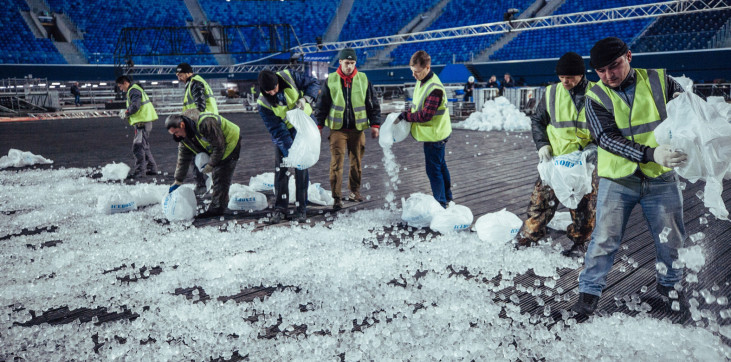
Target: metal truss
{"x": 213, "y": 69}
{"x": 554, "y": 21}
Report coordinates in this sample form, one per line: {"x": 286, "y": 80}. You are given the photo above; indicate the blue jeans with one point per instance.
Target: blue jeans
{"x": 77, "y": 100}
{"x": 436, "y": 170}
{"x": 662, "y": 205}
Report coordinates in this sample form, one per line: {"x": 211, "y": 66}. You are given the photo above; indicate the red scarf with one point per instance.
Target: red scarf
{"x": 347, "y": 79}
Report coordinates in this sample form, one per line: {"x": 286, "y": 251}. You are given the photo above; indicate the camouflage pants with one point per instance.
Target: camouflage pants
{"x": 542, "y": 208}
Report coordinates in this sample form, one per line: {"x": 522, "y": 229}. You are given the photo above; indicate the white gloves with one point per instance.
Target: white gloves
{"x": 545, "y": 154}
{"x": 207, "y": 169}
{"x": 303, "y": 101}
{"x": 123, "y": 114}
{"x": 666, "y": 156}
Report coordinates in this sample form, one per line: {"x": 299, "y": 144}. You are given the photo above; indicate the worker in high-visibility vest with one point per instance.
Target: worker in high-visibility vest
{"x": 348, "y": 106}
{"x": 140, "y": 113}
{"x": 281, "y": 92}
{"x": 622, "y": 112}
{"x": 215, "y": 136}
{"x": 430, "y": 124}
{"x": 198, "y": 95}
{"x": 559, "y": 128}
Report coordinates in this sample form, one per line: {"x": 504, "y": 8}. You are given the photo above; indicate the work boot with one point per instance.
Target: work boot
{"x": 523, "y": 242}
{"x": 151, "y": 172}
{"x": 136, "y": 174}
{"x": 301, "y": 216}
{"x": 276, "y": 218}
{"x": 211, "y": 212}
{"x": 338, "y": 204}
{"x": 355, "y": 196}
{"x": 578, "y": 250}
{"x": 586, "y": 304}
{"x": 673, "y": 296}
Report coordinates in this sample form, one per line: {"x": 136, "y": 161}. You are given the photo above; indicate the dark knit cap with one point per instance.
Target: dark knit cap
{"x": 267, "y": 80}
{"x": 184, "y": 68}
{"x": 570, "y": 64}
{"x": 606, "y": 51}
{"x": 347, "y": 53}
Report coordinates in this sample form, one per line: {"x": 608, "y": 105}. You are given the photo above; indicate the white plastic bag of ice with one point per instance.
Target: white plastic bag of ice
{"x": 454, "y": 218}
{"x": 569, "y": 176}
{"x": 201, "y": 160}
{"x": 318, "y": 195}
{"x": 147, "y": 194}
{"x": 262, "y": 182}
{"x": 116, "y": 202}
{"x": 391, "y": 133}
{"x": 180, "y": 204}
{"x": 696, "y": 128}
{"x": 242, "y": 197}
{"x": 115, "y": 171}
{"x": 305, "y": 149}
{"x": 419, "y": 209}
{"x": 18, "y": 158}
{"x": 498, "y": 227}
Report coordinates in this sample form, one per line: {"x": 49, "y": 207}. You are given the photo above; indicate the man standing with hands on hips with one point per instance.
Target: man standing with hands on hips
{"x": 623, "y": 111}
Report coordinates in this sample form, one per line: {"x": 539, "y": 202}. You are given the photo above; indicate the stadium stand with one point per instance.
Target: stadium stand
{"x": 692, "y": 31}
{"x": 19, "y": 44}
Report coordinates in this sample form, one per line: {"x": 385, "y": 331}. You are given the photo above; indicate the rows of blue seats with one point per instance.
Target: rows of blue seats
{"x": 309, "y": 19}
{"x": 18, "y": 43}
{"x": 102, "y": 23}
{"x": 682, "y": 32}
{"x": 369, "y": 19}
{"x": 461, "y": 13}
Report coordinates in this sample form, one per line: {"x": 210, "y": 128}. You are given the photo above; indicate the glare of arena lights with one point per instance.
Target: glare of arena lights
{"x": 153, "y": 83}
{"x": 143, "y": 81}
{"x": 102, "y": 83}
{"x": 42, "y": 85}
{"x": 55, "y": 83}
{"x": 95, "y": 86}
{"x": 62, "y": 86}
{"x": 52, "y": 86}
{"x": 175, "y": 82}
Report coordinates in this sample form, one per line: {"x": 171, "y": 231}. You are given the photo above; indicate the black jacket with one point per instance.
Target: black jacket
{"x": 541, "y": 119}
{"x": 373, "y": 108}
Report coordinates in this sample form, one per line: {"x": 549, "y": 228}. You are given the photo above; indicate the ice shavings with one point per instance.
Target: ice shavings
{"x": 496, "y": 115}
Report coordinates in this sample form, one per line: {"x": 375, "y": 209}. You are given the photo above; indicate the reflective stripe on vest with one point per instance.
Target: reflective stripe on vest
{"x": 146, "y": 113}
{"x": 291, "y": 95}
{"x": 648, "y": 110}
{"x": 440, "y": 126}
{"x": 568, "y": 130}
{"x": 230, "y": 133}
{"x": 189, "y": 102}
{"x": 359, "y": 88}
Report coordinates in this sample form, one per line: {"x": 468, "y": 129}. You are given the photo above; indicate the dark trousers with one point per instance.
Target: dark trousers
{"x": 77, "y": 99}
{"x": 437, "y": 171}
{"x": 351, "y": 143}
{"x": 141, "y": 149}
{"x": 281, "y": 184}
{"x": 222, "y": 175}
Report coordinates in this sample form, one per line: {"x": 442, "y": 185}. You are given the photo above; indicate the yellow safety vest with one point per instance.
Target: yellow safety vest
{"x": 647, "y": 112}
{"x": 291, "y": 94}
{"x": 359, "y": 88}
{"x": 146, "y": 113}
{"x": 189, "y": 102}
{"x": 440, "y": 126}
{"x": 230, "y": 132}
{"x": 568, "y": 131}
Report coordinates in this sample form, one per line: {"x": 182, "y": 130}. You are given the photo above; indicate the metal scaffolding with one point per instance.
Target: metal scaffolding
{"x": 553, "y": 21}
{"x": 214, "y": 69}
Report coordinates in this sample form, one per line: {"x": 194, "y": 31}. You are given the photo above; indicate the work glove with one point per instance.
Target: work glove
{"x": 545, "y": 154}
{"x": 123, "y": 114}
{"x": 174, "y": 187}
{"x": 667, "y": 157}
{"x": 303, "y": 101}
{"x": 207, "y": 169}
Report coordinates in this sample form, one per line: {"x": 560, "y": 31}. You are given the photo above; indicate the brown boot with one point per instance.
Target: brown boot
{"x": 355, "y": 196}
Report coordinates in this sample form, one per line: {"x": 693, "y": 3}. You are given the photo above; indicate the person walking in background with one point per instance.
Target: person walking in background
{"x": 280, "y": 92}
{"x": 430, "y": 124}
{"x": 76, "y": 92}
{"x": 469, "y": 89}
{"x": 140, "y": 113}
{"x": 347, "y": 106}
{"x": 559, "y": 128}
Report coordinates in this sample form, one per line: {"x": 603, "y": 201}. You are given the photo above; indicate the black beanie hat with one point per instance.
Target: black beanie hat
{"x": 267, "y": 80}
{"x": 606, "y": 51}
{"x": 570, "y": 64}
{"x": 184, "y": 68}
{"x": 347, "y": 53}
